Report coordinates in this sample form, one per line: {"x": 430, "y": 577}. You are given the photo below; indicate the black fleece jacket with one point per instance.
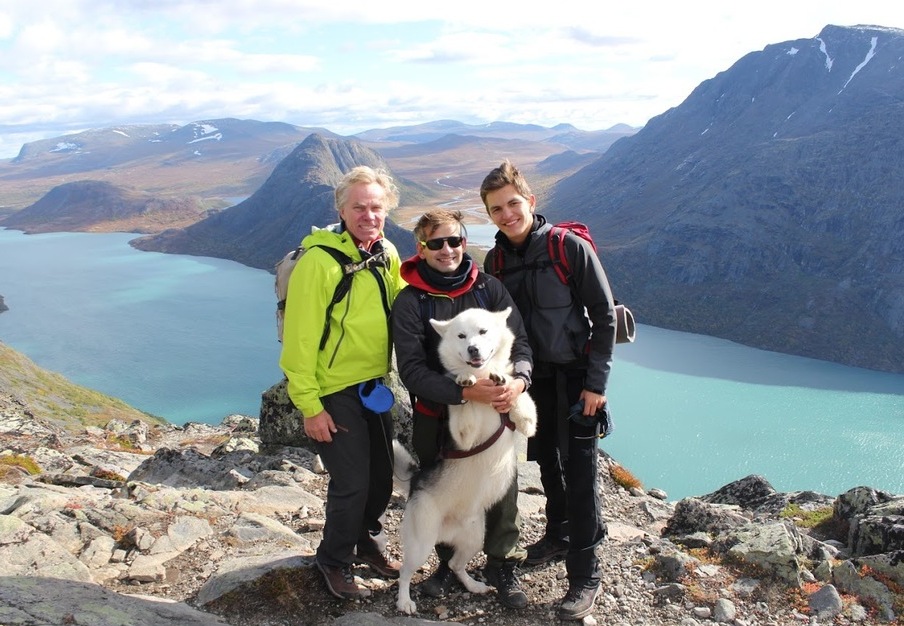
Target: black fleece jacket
{"x": 416, "y": 343}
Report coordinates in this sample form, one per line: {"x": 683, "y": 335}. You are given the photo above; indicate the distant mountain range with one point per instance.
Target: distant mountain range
{"x": 765, "y": 209}
{"x": 219, "y": 161}
{"x": 214, "y": 160}
{"x": 188, "y": 170}
{"x": 563, "y": 134}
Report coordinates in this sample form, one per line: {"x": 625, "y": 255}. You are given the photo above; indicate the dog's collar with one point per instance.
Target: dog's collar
{"x": 504, "y": 422}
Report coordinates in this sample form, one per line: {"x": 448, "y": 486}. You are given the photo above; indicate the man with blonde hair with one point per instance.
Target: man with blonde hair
{"x": 335, "y": 353}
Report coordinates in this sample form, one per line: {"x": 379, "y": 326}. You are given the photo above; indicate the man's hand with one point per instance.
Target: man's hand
{"x": 500, "y": 397}
{"x": 593, "y": 402}
{"x": 484, "y": 391}
{"x": 510, "y": 392}
{"x": 320, "y": 427}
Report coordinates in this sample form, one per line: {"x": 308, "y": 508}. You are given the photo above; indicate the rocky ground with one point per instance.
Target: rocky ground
{"x": 201, "y": 525}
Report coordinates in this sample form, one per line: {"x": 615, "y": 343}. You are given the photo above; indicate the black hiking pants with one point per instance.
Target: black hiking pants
{"x": 359, "y": 461}
{"x": 567, "y": 455}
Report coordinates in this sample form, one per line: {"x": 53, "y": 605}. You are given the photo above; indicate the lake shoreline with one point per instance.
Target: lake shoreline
{"x": 193, "y": 339}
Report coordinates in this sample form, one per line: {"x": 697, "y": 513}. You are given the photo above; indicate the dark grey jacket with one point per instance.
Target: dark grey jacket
{"x": 569, "y": 326}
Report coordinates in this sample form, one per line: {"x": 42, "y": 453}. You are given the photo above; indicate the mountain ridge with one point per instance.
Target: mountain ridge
{"x": 92, "y": 205}
{"x": 298, "y": 195}
{"x": 764, "y": 208}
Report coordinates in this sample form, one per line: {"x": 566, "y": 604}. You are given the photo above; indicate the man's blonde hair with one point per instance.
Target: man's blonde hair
{"x": 368, "y": 175}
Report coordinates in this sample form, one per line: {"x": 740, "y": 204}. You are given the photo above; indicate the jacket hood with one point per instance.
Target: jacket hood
{"x": 413, "y": 277}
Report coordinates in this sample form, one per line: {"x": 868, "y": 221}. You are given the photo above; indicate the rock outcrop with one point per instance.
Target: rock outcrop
{"x": 139, "y": 523}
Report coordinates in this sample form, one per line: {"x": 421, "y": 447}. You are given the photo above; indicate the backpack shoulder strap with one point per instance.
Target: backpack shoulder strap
{"x": 341, "y": 258}
{"x": 427, "y": 309}
{"x": 349, "y": 269}
{"x": 498, "y": 264}
{"x": 342, "y": 288}
{"x": 558, "y": 233}
{"x": 555, "y": 246}
{"x": 481, "y": 295}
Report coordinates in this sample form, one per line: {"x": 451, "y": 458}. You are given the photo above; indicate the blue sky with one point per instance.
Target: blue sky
{"x": 348, "y": 66}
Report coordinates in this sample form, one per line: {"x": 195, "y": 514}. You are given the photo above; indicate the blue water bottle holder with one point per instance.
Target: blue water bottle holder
{"x": 375, "y": 396}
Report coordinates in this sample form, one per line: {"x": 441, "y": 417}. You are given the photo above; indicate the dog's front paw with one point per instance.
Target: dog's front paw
{"x": 408, "y": 607}
{"x": 499, "y": 379}
{"x": 466, "y": 381}
{"x": 524, "y": 415}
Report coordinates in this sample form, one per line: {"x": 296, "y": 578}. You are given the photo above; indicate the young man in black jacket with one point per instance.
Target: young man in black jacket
{"x": 443, "y": 280}
{"x": 571, "y": 328}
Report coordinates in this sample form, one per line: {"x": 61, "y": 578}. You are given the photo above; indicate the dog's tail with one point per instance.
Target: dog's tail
{"x": 404, "y": 468}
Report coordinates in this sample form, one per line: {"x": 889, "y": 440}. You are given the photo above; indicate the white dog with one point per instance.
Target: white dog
{"x": 449, "y": 500}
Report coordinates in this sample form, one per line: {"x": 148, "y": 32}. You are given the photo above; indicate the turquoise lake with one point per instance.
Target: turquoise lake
{"x": 194, "y": 339}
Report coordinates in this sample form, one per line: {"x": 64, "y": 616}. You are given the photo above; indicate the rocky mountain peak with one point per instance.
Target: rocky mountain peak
{"x": 765, "y": 208}
{"x": 298, "y": 194}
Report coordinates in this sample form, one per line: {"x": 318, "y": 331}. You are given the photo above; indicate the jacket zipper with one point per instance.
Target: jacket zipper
{"x": 348, "y": 299}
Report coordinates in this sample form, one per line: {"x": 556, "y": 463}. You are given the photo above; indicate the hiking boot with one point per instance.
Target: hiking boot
{"x": 379, "y": 563}
{"x": 340, "y": 582}
{"x": 578, "y": 602}
{"x": 508, "y": 589}
{"x": 440, "y": 582}
{"x": 545, "y": 550}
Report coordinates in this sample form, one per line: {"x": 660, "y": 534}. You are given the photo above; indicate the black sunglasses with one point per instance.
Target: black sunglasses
{"x": 437, "y": 244}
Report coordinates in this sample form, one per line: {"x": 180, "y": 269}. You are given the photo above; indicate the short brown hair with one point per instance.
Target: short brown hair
{"x": 430, "y": 221}
{"x": 505, "y": 174}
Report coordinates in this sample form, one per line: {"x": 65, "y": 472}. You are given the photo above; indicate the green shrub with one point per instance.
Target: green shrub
{"x": 19, "y": 460}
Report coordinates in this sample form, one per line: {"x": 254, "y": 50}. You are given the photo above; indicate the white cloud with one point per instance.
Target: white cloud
{"x": 349, "y": 66}
{"x": 6, "y": 26}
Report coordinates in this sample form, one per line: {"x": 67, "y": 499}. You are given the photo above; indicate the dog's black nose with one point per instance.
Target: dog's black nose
{"x": 473, "y": 351}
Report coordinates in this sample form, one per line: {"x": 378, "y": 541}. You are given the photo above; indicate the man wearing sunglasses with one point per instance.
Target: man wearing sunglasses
{"x": 443, "y": 280}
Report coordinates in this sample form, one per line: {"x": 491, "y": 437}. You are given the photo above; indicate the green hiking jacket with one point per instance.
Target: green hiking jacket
{"x": 358, "y": 347}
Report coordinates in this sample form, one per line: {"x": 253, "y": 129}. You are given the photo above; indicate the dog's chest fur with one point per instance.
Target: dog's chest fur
{"x": 472, "y": 424}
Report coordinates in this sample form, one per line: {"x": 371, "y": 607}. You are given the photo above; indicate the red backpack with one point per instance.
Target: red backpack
{"x": 555, "y": 244}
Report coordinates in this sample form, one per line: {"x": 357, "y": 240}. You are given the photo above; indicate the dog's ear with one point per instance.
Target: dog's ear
{"x": 440, "y": 327}
{"x": 504, "y": 313}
